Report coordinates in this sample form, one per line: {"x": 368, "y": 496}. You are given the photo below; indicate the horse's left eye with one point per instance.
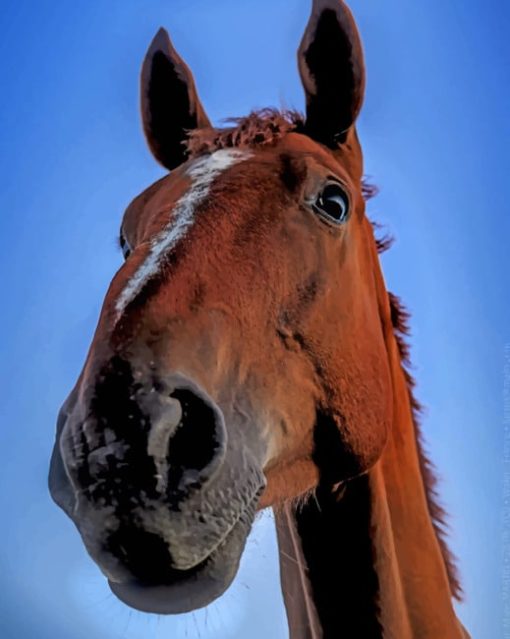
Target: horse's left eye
{"x": 126, "y": 249}
{"x": 332, "y": 203}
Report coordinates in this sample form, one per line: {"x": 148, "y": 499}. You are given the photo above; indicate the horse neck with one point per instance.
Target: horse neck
{"x": 369, "y": 563}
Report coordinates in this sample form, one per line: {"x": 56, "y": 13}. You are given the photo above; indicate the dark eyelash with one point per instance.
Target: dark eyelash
{"x": 124, "y": 246}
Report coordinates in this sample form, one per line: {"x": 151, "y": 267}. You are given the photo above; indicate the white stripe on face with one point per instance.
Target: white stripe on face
{"x": 202, "y": 173}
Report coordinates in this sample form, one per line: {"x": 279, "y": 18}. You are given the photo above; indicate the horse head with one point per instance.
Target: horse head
{"x": 239, "y": 359}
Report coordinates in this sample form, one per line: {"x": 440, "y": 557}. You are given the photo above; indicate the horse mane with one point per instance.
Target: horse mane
{"x": 400, "y": 319}
{"x": 266, "y": 127}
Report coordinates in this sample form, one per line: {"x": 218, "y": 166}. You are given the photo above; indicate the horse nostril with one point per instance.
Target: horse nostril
{"x": 186, "y": 440}
{"x": 197, "y": 443}
{"x": 144, "y": 554}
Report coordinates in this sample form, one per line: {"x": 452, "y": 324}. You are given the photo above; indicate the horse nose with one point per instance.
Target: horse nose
{"x": 143, "y": 435}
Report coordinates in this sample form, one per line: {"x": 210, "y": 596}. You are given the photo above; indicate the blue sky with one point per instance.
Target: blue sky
{"x": 434, "y": 129}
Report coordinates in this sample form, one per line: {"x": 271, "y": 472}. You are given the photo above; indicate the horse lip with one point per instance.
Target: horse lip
{"x": 184, "y": 591}
{"x": 187, "y": 590}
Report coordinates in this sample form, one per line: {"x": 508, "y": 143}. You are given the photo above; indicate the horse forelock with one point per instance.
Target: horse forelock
{"x": 262, "y": 128}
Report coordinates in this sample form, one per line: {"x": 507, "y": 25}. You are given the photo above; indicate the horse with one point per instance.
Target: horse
{"x": 248, "y": 355}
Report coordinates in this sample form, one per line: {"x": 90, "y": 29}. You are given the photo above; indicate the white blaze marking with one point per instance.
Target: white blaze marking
{"x": 202, "y": 173}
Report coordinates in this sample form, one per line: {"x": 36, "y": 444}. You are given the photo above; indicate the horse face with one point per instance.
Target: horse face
{"x": 236, "y": 343}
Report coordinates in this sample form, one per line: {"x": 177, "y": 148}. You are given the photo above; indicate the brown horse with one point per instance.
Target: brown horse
{"x": 249, "y": 355}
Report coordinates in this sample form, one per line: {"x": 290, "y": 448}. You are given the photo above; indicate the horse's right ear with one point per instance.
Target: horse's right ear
{"x": 170, "y": 103}
{"x": 332, "y": 72}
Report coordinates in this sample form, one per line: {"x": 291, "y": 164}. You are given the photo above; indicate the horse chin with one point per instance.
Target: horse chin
{"x": 187, "y": 590}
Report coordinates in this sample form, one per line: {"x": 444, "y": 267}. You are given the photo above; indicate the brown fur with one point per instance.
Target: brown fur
{"x": 265, "y": 128}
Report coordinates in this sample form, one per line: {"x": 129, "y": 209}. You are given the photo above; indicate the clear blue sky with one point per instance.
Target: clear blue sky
{"x": 435, "y": 130}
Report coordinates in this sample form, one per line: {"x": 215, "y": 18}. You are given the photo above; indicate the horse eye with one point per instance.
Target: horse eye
{"x": 332, "y": 203}
{"x": 126, "y": 249}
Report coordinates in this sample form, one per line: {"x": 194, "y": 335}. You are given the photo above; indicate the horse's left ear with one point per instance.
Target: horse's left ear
{"x": 332, "y": 72}
{"x": 170, "y": 103}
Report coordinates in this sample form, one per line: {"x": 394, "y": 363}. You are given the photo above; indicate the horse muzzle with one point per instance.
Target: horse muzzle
{"x": 162, "y": 497}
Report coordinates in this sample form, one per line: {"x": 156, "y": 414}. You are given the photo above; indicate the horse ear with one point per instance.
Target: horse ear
{"x": 332, "y": 71}
{"x": 169, "y": 100}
